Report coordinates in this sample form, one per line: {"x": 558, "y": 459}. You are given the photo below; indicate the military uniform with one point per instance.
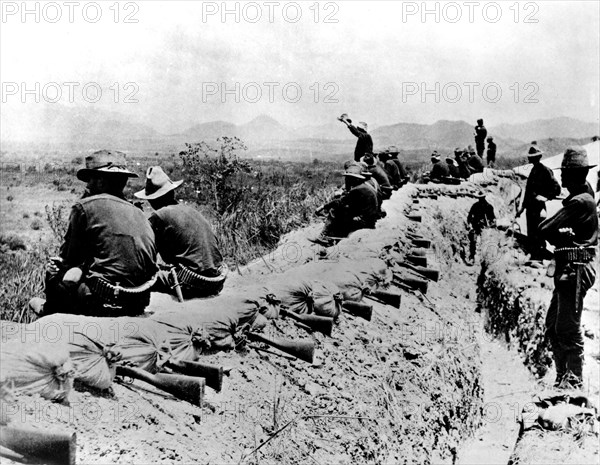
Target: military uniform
{"x": 542, "y": 182}
{"x": 481, "y": 216}
{"x": 114, "y": 245}
{"x": 574, "y": 233}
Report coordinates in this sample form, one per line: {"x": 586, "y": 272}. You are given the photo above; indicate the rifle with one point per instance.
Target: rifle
{"x": 176, "y": 283}
{"x": 431, "y": 274}
{"x": 212, "y": 375}
{"x": 417, "y": 260}
{"x": 57, "y": 447}
{"x": 414, "y": 217}
{"x": 358, "y": 309}
{"x": 412, "y": 284}
{"x": 322, "y": 324}
{"x": 385, "y": 297}
{"x": 183, "y": 387}
{"x": 304, "y": 350}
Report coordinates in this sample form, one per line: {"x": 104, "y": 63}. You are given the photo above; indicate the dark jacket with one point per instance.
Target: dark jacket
{"x": 491, "y": 151}
{"x": 401, "y": 169}
{"x": 440, "y": 170}
{"x": 110, "y": 238}
{"x": 481, "y": 216}
{"x": 579, "y": 214}
{"x": 480, "y": 135}
{"x": 360, "y": 202}
{"x": 541, "y": 181}
{"x": 453, "y": 170}
{"x": 380, "y": 175}
{"x": 475, "y": 164}
{"x": 391, "y": 169}
{"x": 364, "y": 144}
{"x": 185, "y": 237}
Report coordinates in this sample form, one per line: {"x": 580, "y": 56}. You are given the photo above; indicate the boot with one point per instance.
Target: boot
{"x": 573, "y": 377}
{"x": 560, "y": 363}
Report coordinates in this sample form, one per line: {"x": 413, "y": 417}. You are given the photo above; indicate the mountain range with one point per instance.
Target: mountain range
{"x": 86, "y": 129}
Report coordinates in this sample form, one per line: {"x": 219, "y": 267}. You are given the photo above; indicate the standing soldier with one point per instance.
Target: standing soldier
{"x": 480, "y": 135}
{"x": 185, "y": 241}
{"x": 364, "y": 144}
{"x": 481, "y": 216}
{"x": 574, "y": 233}
{"x": 541, "y": 186}
{"x": 107, "y": 263}
{"x": 491, "y": 152}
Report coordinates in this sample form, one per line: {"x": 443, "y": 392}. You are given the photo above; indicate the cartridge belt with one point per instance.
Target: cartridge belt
{"x": 575, "y": 254}
{"x": 116, "y": 293}
{"x": 192, "y": 279}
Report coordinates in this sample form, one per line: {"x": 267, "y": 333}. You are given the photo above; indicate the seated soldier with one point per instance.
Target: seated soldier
{"x": 439, "y": 171}
{"x": 452, "y": 167}
{"x": 394, "y": 152}
{"x": 185, "y": 241}
{"x": 107, "y": 262}
{"x": 391, "y": 169}
{"x": 356, "y": 209}
{"x": 379, "y": 174}
{"x": 480, "y": 216}
{"x": 475, "y": 162}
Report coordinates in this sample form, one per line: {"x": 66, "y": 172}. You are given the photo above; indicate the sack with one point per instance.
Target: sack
{"x": 94, "y": 362}
{"x": 186, "y": 342}
{"x": 352, "y": 286}
{"x": 313, "y": 297}
{"x": 267, "y": 303}
{"x": 41, "y": 368}
{"x": 222, "y": 318}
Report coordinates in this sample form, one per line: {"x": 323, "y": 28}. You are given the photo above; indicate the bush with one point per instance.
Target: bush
{"x": 10, "y": 198}
{"x": 25, "y": 215}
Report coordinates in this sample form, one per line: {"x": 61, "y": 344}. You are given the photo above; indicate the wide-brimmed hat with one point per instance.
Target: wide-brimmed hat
{"x": 575, "y": 157}
{"x": 356, "y": 171}
{"x": 435, "y": 156}
{"x": 534, "y": 152}
{"x": 362, "y": 125}
{"x": 157, "y": 184}
{"x": 479, "y": 195}
{"x": 369, "y": 159}
{"x": 490, "y": 138}
{"x": 393, "y": 150}
{"x": 107, "y": 162}
{"x": 450, "y": 160}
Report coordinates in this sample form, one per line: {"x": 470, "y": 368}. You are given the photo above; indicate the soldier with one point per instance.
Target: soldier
{"x": 481, "y": 216}
{"x": 440, "y": 170}
{"x": 480, "y": 135}
{"x": 452, "y": 167}
{"x": 107, "y": 263}
{"x": 391, "y": 169}
{"x": 185, "y": 241}
{"x": 364, "y": 144}
{"x": 379, "y": 174}
{"x": 491, "y": 152}
{"x": 541, "y": 186}
{"x": 463, "y": 169}
{"x": 394, "y": 152}
{"x": 574, "y": 233}
{"x": 474, "y": 162}
{"x": 356, "y": 209}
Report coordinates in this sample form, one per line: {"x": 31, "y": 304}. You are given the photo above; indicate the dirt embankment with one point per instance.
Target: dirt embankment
{"x": 402, "y": 388}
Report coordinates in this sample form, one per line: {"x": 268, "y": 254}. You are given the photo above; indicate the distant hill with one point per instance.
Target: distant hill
{"x": 561, "y": 127}
{"x": 57, "y": 126}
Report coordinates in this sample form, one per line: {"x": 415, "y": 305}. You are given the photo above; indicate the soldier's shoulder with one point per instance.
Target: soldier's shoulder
{"x": 106, "y": 198}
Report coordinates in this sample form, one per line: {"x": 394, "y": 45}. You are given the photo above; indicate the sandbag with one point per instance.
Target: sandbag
{"x": 186, "y": 341}
{"x": 313, "y": 297}
{"x": 222, "y": 318}
{"x": 42, "y": 368}
{"x": 352, "y": 285}
{"x": 266, "y": 301}
{"x": 95, "y": 363}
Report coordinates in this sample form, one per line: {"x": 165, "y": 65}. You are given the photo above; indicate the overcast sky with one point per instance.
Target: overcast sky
{"x": 371, "y": 63}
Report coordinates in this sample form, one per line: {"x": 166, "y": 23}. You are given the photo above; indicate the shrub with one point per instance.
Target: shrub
{"x": 25, "y": 215}
{"x": 10, "y": 198}
{"x": 12, "y": 242}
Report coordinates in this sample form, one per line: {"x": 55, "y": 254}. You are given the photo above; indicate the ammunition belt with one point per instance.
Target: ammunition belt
{"x": 115, "y": 293}
{"x": 189, "y": 278}
{"x": 575, "y": 254}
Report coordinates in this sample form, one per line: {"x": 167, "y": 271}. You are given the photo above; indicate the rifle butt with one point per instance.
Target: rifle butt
{"x": 322, "y": 324}
{"x": 303, "y": 350}
{"x": 413, "y": 283}
{"x": 56, "y": 447}
{"x": 424, "y": 243}
{"x": 417, "y": 260}
{"x": 188, "y": 388}
{"x": 359, "y": 309}
{"x": 419, "y": 252}
{"x": 212, "y": 375}
{"x": 429, "y": 273}
{"x": 414, "y": 217}
{"x": 390, "y": 298}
